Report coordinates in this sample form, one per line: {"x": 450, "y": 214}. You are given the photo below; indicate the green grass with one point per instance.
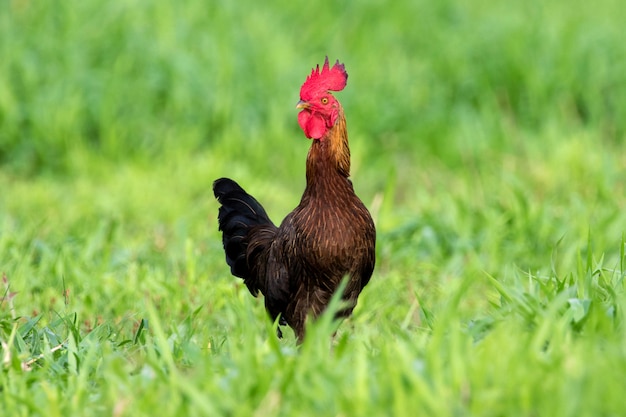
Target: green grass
{"x": 487, "y": 140}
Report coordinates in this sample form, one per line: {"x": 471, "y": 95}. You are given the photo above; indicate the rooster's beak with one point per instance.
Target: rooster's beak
{"x": 302, "y": 104}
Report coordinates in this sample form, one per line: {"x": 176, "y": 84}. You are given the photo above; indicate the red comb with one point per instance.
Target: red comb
{"x": 319, "y": 82}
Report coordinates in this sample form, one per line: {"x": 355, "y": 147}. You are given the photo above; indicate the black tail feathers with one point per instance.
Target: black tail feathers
{"x": 240, "y": 212}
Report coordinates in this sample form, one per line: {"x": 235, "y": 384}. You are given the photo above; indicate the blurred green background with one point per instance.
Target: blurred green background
{"x": 452, "y": 79}
{"x": 487, "y": 139}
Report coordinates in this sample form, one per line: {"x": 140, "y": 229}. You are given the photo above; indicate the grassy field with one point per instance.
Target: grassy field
{"x": 487, "y": 140}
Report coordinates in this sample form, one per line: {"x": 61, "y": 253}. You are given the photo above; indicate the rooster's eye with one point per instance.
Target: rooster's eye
{"x": 324, "y": 100}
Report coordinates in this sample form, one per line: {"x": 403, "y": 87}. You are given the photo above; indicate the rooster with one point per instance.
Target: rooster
{"x": 330, "y": 235}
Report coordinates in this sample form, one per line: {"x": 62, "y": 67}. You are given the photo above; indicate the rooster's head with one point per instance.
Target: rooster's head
{"x": 319, "y": 108}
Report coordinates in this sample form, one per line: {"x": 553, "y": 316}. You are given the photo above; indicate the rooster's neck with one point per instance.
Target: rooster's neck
{"x": 329, "y": 157}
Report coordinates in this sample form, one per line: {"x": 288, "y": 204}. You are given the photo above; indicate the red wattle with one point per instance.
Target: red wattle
{"x": 312, "y": 124}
